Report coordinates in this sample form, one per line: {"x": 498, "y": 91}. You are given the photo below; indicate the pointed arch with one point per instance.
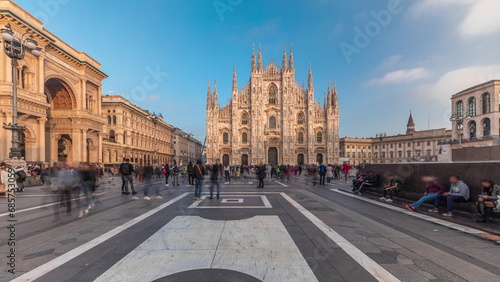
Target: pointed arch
{"x": 273, "y": 94}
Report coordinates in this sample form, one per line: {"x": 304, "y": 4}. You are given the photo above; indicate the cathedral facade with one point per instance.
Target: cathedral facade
{"x": 272, "y": 119}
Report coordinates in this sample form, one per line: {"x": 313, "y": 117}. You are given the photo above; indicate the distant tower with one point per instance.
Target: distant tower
{"x": 410, "y": 127}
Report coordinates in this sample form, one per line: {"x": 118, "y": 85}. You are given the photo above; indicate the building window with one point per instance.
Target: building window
{"x": 460, "y": 108}
{"x": 472, "y": 107}
{"x": 400, "y": 145}
{"x": 125, "y": 137}
{"x": 109, "y": 120}
{"x": 376, "y": 147}
{"x": 300, "y": 138}
{"x": 400, "y": 154}
{"x": 486, "y": 103}
{"x": 225, "y": 138}
{"x": 408, "y": 154}
{"x": 391, "y": 146}
{"x": 273, "y": 94}
{"x": 301, "y": 118}
{"x": 409, "y": 144}
{"x": 114, "y": 120}
{"x": 486, "y": 127}
{"x": 418, "y": 144}
{"x": 319, "y": 137}
{"x": 244, "y": 119}
{"x": 428, "y": 143}
{"x": 272, "y": 122}
{"x": 392, "y": 154}
{"x": 244, "y": 137}
{"x": 472, "y": 130}
{"x": 112, "y": 136}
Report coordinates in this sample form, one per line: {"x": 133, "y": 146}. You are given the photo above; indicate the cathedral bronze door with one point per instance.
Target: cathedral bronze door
{"x": 300, "y": 159}
{"x": 272, "y": 155}
{"x": 225, "y": 160}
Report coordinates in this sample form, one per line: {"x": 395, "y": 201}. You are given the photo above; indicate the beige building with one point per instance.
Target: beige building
{"x": 479, "y": 107}
{"x": 186, "y": 148}
{"x": 134, "y": 133}
{"x": 58, "y": 96}
{"x": 272, "y": 119}
{"x": 356, "y": 150}
{"x": 414, "y": 146}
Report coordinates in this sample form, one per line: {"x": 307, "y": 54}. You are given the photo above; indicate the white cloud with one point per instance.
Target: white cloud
{"x": 389, "y": 63}
{"x": 455, "y": 81}
{"x": 482, "y": 19}
{"x": 400, "y": 76}
{"x": 422, "y": 8}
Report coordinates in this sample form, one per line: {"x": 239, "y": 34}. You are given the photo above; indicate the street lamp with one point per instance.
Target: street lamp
{"x": 460, "y": 120}
{"x": 380, "y": 136}
{"x": 155, "y": 119}
{"x": 15, "y": 48}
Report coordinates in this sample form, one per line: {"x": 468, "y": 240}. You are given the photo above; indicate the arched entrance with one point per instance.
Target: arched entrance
{"x": 272, "y": 155}
{"x": 244, "y": 159}
{"x": 300, "y": 159}
{"x": 319, "y": 158}
{"x": 225, "y": 160}
{"x": 62, "y": 150}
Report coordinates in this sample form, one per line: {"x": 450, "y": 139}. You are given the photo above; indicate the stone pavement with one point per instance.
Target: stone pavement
{"x": 285, "y": 232}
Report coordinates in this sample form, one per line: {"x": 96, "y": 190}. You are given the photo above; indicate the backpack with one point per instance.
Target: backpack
{"x": 176, "y": 169}
{"x": 164, "y": 171}
{"x": 323, "y": 169}
{"x": 125, "y": 169}
{"x": 21, "y": 174}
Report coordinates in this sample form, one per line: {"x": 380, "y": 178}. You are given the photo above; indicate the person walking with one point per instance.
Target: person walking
{"x": 175, "y": 174}
{"x": 189, "y": 170}
{"x": 226, "y": 174}
{"x": 126, "y": 169}
{"x": 199, "y": 173}
{"x": 322, "y": 174}
{"x": 166, "y": 172}
{"x": 262, "y": 175}
{"x": 214, "y": 177}
{"x": 329, "y": 174}
{"x": 345, "y": 169}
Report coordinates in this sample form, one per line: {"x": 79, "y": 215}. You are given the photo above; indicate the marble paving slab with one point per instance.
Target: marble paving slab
{"x": 259, "y": 246}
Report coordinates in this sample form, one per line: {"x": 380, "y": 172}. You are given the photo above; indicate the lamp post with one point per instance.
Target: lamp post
{"x": 15, "y": 48}
{"x": 459, "y": 120}
{"x": 155, "y": 119}
{"x": 380, "y": 136}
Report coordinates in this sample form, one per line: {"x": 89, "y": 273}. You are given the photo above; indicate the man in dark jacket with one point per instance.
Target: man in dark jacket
{"x": 126, "y": 169}
{"x": 199, "y": 173}
{"x": 190, "y": 173}
{"x": 372, "y": 180}
{"x": 261, "y": 174}
{"x": 214, "y": 177}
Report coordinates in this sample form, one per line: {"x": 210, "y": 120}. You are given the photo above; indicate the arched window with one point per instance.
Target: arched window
{"x": 125, "y": 137}
{"x": 225, "y": 138}
{"x": 109, "y": 120}
{"x": 273, "y": 94}
{"x": 244, "y": 118}
{"x": 300, "y": 138}
{"x": 244, "y": 137}
{"x": 23, "y": 77}
{"x": 272, "y": 122}
{"x": 486, "y": 103}
{"x": 319, "y": 137}
{"x": 472, "y": 107}
{"x": 472, "y": 130}
{"x": 112, "y": 136}
{"x": 460, "y": 108}
{"x": 301, "y": 118}
{"x": 114, "y": 120}
{"x": 486, "y": 127}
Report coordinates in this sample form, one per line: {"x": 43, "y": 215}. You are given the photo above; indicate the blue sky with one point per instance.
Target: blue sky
{"x": 413, "y": 54}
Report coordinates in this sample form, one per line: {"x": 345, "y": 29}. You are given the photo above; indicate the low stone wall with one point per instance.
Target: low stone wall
{"x": 411, "y": 173}
{"x": 490, "y": 153}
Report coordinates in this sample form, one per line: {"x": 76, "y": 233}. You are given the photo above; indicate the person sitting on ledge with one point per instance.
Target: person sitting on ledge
{"x": 488, "y": 199}
{"x": 372, "y": 180}
{"x": 433, "y": 187}
{"x": 394, "y": 186}
{"x": 459, "y": 192}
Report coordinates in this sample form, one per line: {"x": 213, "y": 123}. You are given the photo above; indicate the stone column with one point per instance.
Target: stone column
{"x": 76, "y": 148}
{"x": 40, "y": 148}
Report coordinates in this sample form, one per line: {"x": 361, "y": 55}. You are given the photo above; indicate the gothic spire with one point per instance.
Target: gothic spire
{"x": 209, "y": 97}
{"x": 235, "y": 79}
{"x": 310, "y": 78}
{"x": 410, "y": 127}
{"x": 253, "y": 57}
{"x": 291, "y": 58}
{"x": 216, "y": 96}
{"x": 284, "y": 64}
{"x": 259, "y": 59}
{"x": 335, "y": 97}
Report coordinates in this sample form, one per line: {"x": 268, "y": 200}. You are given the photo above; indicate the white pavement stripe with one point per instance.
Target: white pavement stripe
{"x": 43, "y": 206}
{"x": 415, "y": 214}
{"x": 284, "y": 185}
{"x": 375, "y": 269}
{"x": 62, "y": 259}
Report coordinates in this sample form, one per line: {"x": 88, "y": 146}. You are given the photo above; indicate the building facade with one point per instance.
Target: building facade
{"x": 356, "y": 150}
{"x": 415, "y": 146}
{"x": 58, "y": 96}
{"x": 272, "y": 119}
{"x": 186, "y": 148}
{"x": 479, "y": 106}
{"x": 134, "y": 133}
